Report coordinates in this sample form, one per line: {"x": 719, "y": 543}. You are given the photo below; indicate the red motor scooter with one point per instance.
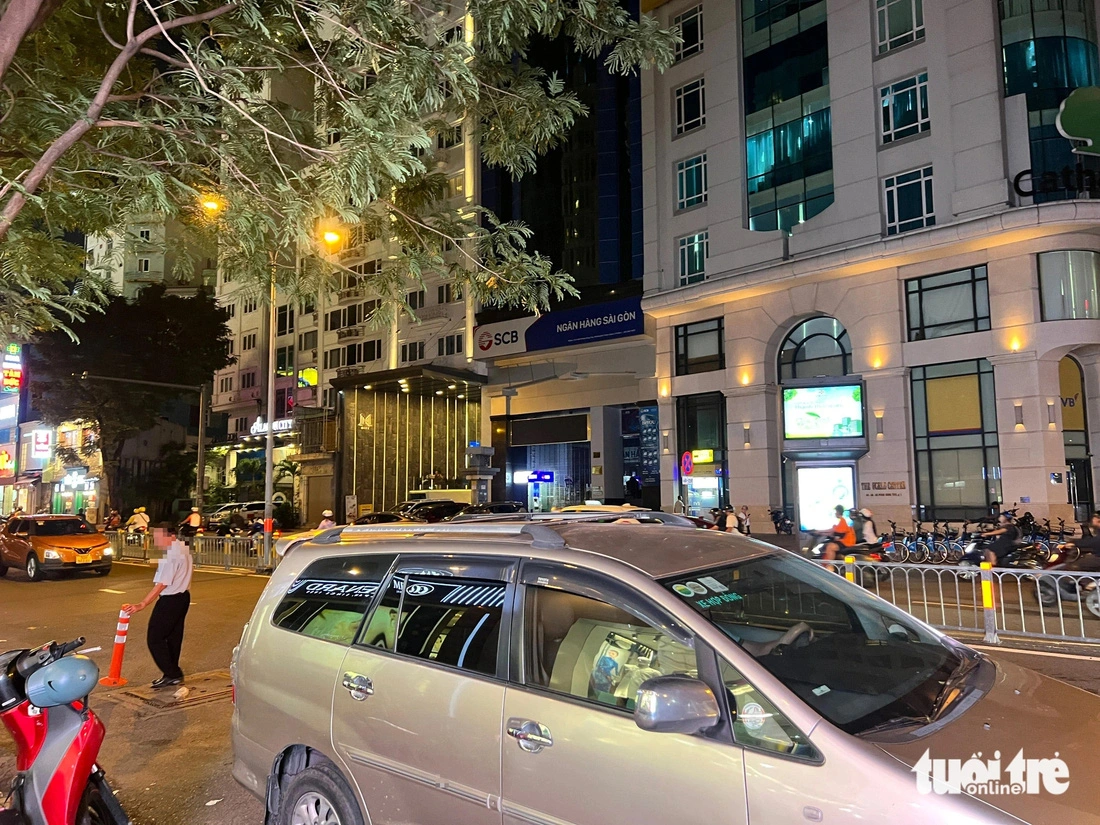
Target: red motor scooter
{"x": 44, "y": 706}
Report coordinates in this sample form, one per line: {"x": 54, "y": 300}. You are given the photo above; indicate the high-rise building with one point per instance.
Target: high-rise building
{"x": 862, "y": 292}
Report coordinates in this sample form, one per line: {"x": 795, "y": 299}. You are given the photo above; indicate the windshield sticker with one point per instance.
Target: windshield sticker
{"x": 821, "y": 691}
{"x": 683, "y": 590}
{"x": 753, "y": 716}
{"x": 713, "y": 584}
{"x": 321, "y": 587}
{"x": 696, "y": 588}
{"x": 720, "y": 599}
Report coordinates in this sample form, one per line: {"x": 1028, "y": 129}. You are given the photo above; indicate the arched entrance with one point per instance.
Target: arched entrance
{"x": 823, "y": 420}
{"x": 1075, "y": 437}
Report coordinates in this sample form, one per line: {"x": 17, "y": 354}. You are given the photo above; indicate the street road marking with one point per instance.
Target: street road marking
{"x": 109, "y": 590}
{"x": 1051, "y": 654}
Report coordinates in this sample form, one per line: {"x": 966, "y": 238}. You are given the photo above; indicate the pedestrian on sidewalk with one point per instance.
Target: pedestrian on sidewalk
{"x": 172, "y": 596}
{"x": 327, "y": 521}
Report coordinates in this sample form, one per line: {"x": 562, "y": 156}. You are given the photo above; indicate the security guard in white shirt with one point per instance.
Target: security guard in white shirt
{"x": 172, "y": 594}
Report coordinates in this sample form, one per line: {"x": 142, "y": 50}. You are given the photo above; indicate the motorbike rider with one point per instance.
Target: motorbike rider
{"x": 138, "y": 522}
{"x": 868, "y": 533}
{"x": 842, "y": 535}
{"x": 114, "y": 520}
{"x": 1089, "y": 547}
{"x": 1005, "y": 536}
{"x": 190, "y": 526}
{"x": 327, "y": 520}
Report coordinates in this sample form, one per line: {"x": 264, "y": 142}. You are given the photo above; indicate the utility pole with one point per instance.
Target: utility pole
{"x": 269, "y": 449}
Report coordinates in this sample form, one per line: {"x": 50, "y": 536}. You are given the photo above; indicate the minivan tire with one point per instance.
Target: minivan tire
{"x": 318, "y": 796}
{"x": 33, "y": 569}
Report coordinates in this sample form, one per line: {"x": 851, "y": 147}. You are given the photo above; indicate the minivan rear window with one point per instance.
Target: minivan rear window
{"x": 330, "y": 598}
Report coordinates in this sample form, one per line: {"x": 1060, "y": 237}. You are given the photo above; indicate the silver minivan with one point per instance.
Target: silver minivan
{"x": 568, "y": 672}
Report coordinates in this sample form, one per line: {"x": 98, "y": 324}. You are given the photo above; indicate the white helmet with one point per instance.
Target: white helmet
{"x": 326, "y": 513}
{"x": 865, "y": 512}
{"x": 194, "y": 509}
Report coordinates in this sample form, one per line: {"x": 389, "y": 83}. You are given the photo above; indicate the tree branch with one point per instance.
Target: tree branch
{"x": 19, "y": 19}
{"x": 81, "y": 127}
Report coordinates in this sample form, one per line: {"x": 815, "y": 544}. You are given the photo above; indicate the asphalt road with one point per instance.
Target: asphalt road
{"x": 172, "y": 766}
{"x": 166, "y": 765}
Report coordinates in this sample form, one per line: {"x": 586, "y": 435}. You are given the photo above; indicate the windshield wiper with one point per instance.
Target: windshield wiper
{"x": 896, "y": 723}
{"x": 948, "y": 693}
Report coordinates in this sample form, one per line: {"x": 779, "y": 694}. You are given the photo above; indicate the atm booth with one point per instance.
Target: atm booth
{"x": 824, "y": 435}
{"x": 703, "y": 479}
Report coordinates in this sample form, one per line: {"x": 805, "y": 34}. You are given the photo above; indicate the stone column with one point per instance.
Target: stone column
{"x": 885, "y": 477}
{"x": 1030, "y": 448}
{"x": 754, "y": 465}
{"x": 607, "y": 452}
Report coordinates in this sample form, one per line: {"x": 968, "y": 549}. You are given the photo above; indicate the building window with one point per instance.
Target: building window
{"x": 284, "y": 320}
{"x": 955, "y": 440}
{"x": 240, "y": 425}
{"x": 308, "y": 306}
{"x": 413, "y": 351}
{"x": 691, "y": 182}
{"x": 230, "y": 310}
{"x": 334, "y": 358}
{"x": 691, "y": 107}
{"x": 909, "y": 201}
{"x": 951, "y": 303}
{"x": 415, "y": 300}
{"x": 1069, "y": 284}
{"x": 448, "y": 293}
{"x": 329, "y": 396}
{"x": 284, "y": 403}
{"x": 248, "y": 342}
{"x": 898, "y": 22}
{"x": 226, "y": 384}
{"x": 690, "y": 24}
{"x": 142, "y": 264}
{"x": 232, "y": 346}
{"x": 456, "y": 185}
{"x": 451, "y": 137}
{"x": 694, "y": 251}
{"x": 307, "y": 340}
{"x": 284, "y": 361}
{"x": 905, "y": 108}
{"x": 250, "y": 305}
{"x": 248, "y": 380}
{"x": 700, "y": 347}
{"x": 362, "y": 353}
{"x": 144, "y": 235}
{"x": 450, "y": 345}
{"x": 817, "y": 347}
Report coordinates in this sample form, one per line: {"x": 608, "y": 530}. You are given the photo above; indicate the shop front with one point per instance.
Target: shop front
{"x": 75, "y": 493}
{"x": 703, "y": 465}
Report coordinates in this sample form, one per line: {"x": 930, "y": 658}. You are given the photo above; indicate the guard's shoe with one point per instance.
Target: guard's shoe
{"x": 164, "y": 682}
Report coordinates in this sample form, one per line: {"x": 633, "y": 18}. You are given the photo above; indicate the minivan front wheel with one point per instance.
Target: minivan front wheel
{"x": 318, "y": 796}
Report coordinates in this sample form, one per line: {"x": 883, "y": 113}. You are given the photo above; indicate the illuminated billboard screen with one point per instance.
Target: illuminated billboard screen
{"x": 823, "y": 412}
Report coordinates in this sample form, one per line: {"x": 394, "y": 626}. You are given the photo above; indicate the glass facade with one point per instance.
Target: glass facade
{"x": 955, "y": 440}
{"x": 701, "y": 429}
{"x": 788, "y": 126}
{"x": 1049, "y": 50}
{"x": 1069, "y": 283}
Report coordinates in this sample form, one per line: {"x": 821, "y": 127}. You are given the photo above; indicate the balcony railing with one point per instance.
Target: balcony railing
{"x": 344, "y": 372}
{"x": 349, "y": 294}
{"x": 349, "y": 332}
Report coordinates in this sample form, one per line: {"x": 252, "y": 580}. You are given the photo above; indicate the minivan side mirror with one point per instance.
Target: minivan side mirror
{"x": 675, "y": 704}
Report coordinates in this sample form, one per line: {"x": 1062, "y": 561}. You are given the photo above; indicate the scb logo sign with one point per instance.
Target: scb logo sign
{"x": 487, "y": 340}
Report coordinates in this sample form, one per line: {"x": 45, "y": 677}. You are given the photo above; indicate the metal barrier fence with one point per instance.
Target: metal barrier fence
{"x": 1053, "y": 605}
{"x": 226, "y": 552}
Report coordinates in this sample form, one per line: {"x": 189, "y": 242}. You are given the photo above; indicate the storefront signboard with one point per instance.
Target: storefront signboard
{"x": 823, "y": 412}
{"x": 651, "y": 447}
{"x": 564, "y": 328}
{"x": 883, "y": 490}
{"x": 7, "y": 460}
{"x": 41, "y": 444}
{"x": 280, "y": 425}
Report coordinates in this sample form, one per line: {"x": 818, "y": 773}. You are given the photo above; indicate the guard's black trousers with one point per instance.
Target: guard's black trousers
{"x": 165, "y": 636}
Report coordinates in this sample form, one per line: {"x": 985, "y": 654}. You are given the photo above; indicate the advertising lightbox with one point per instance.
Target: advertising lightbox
{"x": 823, "y": 412}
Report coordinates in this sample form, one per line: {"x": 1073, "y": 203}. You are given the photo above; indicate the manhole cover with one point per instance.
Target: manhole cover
{"x": 200, "y": 689}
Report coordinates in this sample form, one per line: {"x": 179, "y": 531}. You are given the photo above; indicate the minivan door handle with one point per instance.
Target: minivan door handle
{"x": 532, "y": 736}
{"x": 359, "y": 686}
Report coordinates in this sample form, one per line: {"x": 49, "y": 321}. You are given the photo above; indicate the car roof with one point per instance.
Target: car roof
{"x": 51, "y": 517}
{"x": 656, "y": 550}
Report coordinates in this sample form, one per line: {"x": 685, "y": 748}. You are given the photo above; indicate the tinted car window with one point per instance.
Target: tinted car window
{"x": 452, "y": 621}
{"x": 330, "y": 598}
{"x": 59, "y": 527}
{"x": 592, "y": 650}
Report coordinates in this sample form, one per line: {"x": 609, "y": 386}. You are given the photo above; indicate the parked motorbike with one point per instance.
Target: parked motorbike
{"x": 782, "y": 523}
{"x": 44, "y": 706}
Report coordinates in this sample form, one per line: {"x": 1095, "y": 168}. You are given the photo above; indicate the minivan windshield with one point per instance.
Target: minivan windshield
{"x": 858, "y": 661}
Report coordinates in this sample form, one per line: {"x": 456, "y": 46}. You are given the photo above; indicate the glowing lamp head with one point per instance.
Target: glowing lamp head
{"x": 330, "y": 237}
